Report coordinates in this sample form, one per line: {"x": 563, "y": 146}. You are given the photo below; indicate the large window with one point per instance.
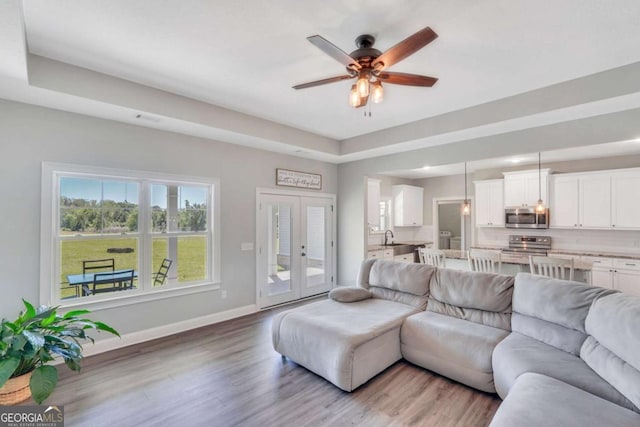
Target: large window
{"x": 111, "y": 234}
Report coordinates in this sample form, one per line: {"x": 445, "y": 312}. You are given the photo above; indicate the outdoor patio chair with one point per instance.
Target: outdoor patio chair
{"x": 161, "y": 276}
{"x": 110, "y": 282}
{"x": 95, "y": 265}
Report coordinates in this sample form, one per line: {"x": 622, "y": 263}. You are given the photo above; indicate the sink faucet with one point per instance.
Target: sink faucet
{"x": 386, "y": 235}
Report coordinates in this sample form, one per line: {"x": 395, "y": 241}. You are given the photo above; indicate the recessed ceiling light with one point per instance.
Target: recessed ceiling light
{"x": 516, "y": 160}
{"x": 426, "y": 167}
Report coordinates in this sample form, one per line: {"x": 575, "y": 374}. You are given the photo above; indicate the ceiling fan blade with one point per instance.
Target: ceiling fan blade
{"x": 334, "y": 51}
{"x": 406, "y": 47}
{"x": 323, "y": 81}
{"x": 407, "y": 79}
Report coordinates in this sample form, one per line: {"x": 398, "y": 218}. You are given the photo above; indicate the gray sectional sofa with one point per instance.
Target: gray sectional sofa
{"x": 559, "y": 353}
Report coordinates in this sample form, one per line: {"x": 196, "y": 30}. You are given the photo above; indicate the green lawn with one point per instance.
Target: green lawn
{"x": 190, "y": 263}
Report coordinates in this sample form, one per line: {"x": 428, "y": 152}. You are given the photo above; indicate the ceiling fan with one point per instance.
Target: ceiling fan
{"x": 368, "y": 65}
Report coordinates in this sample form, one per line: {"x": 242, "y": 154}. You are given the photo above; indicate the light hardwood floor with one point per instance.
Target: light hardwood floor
{"x": 229, "y": 375}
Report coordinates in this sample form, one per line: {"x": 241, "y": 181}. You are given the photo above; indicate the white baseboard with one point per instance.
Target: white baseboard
{"x": 165, "y": 330}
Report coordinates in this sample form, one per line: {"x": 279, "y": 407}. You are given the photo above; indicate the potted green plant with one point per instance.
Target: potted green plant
{"x": 33, "y": 340}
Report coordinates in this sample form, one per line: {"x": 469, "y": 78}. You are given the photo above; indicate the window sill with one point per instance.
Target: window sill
{"x": 139, "y": 298}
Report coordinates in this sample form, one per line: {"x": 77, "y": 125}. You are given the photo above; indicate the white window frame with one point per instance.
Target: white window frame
{"x": 50, "y": 256}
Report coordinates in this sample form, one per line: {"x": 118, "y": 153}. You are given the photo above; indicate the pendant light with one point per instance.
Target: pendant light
{"x": 540, "y": 206}
{"x": 466, "y": 208}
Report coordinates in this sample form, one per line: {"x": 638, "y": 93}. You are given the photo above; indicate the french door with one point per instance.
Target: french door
{"x": 295, "y": 247}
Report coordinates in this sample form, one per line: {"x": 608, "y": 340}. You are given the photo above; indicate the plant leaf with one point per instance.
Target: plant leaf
{"x": 7, "y": 368}
{"x": 36, "y": 339}
{"x": 30, "y": 310}
{"x": 104, "y": 327}
{"x": 75, "y": 313}
{"x": 43, "y": 381}
{"x": 73, "y": 364}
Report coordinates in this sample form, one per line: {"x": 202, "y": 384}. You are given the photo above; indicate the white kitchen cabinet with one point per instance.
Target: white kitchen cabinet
{"x": 625, "y": 199}
{"x": 381, "y": 254}
{"x": 616, "y": 273}
{"x": 404, "y": 258}
{"x": 564, "y": 208}
{"x": 373, "y": 204}
{"x": 601, "y": 271}
{"x": 489, "y": 203}
{"x": 524, "y": 188}
{"x": 407, "y": 205}
{"x": 595, "y": 201}
{"x": 626, "y": 276}
{"x": 581, "y": 201}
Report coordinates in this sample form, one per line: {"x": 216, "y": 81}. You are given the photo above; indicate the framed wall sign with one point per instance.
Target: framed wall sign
{"x": 289, "y": 178}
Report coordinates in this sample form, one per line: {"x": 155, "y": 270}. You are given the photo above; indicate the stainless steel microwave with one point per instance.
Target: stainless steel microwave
{"x": 526, "y": 218}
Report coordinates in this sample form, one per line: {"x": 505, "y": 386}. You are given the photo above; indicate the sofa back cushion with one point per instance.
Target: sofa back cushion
{"x": 613, "y": 346}
{"x": 483, "y": 298}
{"x": 553, "y": 311}
{"x": 397, "y": 281}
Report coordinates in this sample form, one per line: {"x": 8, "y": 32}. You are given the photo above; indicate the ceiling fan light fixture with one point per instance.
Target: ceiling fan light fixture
{"x": 354, "y": 97}
{"x": 368, "y": 65}
{"x": 363, "y": 84}
{"x": 378, "y": 92}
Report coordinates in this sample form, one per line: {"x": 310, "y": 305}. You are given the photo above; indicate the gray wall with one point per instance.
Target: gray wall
{"x": 30, "y": 135}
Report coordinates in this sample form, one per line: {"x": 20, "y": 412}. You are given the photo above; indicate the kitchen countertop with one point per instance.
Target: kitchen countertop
{"x": 396, "y": 244}
{"x": 514, "y": 259}
{"x": 595, "y": 254}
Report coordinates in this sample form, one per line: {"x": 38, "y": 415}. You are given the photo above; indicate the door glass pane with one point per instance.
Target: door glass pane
{"x": 279, "y": 245}
{"x": 316, "y": 249}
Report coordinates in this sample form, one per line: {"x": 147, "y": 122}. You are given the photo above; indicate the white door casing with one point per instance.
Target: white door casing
{"x": 295, "y": 251}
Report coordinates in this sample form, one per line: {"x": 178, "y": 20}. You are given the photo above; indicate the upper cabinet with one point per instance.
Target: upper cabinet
{"x": 524, "y": 188}
{"x": 407, "y": 205}
{"x": 581, "y": 200}
{"x": 373, "y": 204}
{"x": 625, "y": 199}
{"x": 489, "y": 203}
{"x": 601, "y": 200}
{"x": 564, "y": 210}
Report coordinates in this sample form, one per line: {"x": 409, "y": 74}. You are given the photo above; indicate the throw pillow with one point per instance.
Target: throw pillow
{"x": 349, "y": 294}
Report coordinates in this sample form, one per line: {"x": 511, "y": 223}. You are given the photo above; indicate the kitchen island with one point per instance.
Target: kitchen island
{"x": 514, "y": 263}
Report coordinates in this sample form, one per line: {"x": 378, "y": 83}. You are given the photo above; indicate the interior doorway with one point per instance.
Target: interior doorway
{"x": 451, "y": 229}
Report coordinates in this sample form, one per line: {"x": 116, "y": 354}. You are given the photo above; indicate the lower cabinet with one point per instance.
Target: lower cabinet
{"x": 615, "y": 273}
{"x": 381, "y": 254}
{"x": 404, "y": 258}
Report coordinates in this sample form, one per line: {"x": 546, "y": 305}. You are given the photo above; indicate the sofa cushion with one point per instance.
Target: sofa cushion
{"x": 349, "y": 294}
{"x": 518, "y": 354}
{"x": 483, "y": 298}
{"x": 613, "y": 349}
{"x": 326, "y": 337}
{"x": 453, "y": 347}
{"x": 397, "y": 281}
{"x": 553, "y": 301}
{"x": 537, "y": 400}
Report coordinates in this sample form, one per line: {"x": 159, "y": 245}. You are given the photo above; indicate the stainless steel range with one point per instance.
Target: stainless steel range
{"x": 528, "y": 245}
